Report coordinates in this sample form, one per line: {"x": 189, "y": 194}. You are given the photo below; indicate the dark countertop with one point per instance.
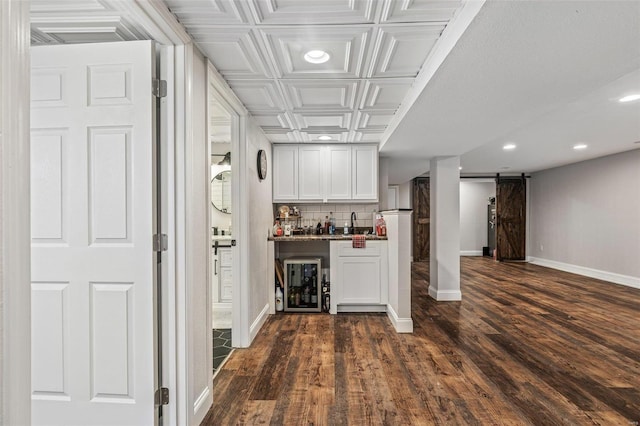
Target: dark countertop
{"x": 338, "y": 237}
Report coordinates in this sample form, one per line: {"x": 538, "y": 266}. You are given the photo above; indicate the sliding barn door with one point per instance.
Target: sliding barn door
{"x": 511, "y": 205}
{"x": 92, "y": 224}
{"x": 421, "y": 214}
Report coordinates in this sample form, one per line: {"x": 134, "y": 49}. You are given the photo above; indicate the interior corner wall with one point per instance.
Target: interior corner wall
{"x": 473, "y": 216}
{"x": 587, "y": 215}
{"x": 260, "y": 223}
{"x": 404, "y": 195}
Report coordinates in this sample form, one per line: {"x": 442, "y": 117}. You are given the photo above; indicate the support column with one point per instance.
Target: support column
{"x": 444, "y": 257}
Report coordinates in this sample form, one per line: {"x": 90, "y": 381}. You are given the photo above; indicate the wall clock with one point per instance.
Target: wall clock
{"x": 262, "y": 164}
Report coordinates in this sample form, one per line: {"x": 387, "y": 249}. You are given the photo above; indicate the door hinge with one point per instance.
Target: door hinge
{"x": 162, "y": 396}
{"x": 160, "y": 242}
{"x": 159, "y": 88}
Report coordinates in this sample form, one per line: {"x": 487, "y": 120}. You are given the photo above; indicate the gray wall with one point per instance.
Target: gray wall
{"x": 588, "y": 214}
{"x": 474, "y": 197}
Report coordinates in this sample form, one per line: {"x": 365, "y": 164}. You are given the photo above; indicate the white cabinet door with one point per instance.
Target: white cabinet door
{"x": 338, "y": 172}
{"x": 92, "y": 223}
{"x": 285, "y": 172}
{"x": 310, "y": 173}
{"x": 364, "y": 172}
{"x": 359, "y": 280}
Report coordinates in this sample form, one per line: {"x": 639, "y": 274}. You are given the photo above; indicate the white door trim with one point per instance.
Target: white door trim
{"x": 239, "y": 212}
{"x": 15, "y": 234}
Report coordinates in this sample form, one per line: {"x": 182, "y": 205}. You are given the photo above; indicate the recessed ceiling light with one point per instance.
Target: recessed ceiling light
{"x": 630, "y": 98}
{"x": 316, "y": 56}
{"x": 579, "y": 146}
{"x": 509, "y": 147}
{"x": 325, "y": 138}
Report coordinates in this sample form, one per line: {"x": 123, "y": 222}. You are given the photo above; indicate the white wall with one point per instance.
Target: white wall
{"x": 260, "y": 223}
{"x": 587, "y": 215}
{"x": 404, "y": 195}
{"x": 474, "y": 197}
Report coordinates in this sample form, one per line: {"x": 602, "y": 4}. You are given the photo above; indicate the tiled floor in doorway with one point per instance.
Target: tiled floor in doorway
{"x": 221, "y": 346}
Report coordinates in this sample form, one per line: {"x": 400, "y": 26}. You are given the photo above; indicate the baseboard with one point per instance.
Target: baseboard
{"x": 445, "y": 295}
{"x": 205, "y": 397}
{"x": 612, "y": 277}
{"x": 402, "y": 325}
{"x": 258, "y": 323}
{"x": 470, "y": 252}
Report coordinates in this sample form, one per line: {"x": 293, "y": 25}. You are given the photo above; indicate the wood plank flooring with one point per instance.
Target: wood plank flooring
{"x": 526, "y": 346}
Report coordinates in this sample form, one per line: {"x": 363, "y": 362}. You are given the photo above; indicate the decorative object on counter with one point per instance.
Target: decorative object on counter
{"x": 346, "y": 229}
{"x": 359, "y": 241}
{"x": 332, "y": 224}
{"x": 381, "y": 226}
{"x": 283, "y": 211}
{"x": 326, "y": 225}
{"x": 262, "y": 164}
{"x": 319, "y": 229}
{"x": 277, "y": 229}
{"x": 287, "y": 230}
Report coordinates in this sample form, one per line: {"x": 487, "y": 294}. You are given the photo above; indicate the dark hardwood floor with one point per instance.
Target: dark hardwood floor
{"x": 527, "y": 345}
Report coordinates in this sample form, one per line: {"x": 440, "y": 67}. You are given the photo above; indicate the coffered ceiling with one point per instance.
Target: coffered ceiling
{"x": 376, "y": 50}
{"x": 422, "y": 78}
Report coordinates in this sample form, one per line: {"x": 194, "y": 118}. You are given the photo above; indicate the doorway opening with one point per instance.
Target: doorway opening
{"x": 222, "y": 129}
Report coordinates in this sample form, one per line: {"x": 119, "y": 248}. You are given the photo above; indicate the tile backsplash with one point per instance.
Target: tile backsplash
{"x": 314, "y": 213}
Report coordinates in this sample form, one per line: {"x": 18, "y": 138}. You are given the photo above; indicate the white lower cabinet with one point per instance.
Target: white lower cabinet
{"x": 222, "y": 275}
{"x": 359, "y": 277}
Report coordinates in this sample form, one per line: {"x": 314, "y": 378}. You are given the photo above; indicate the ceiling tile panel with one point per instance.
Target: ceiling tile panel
{"x": 234, "y": 52}
{"x": 296, "y": 12}
{"x": 385, "y": 93}
{"x": 346, "y": 46}
{"x": 260, "y": 95}
{"x": 401, "y": 51}
{"x": 308, "y": 95}
{"x": 274, "y": 121}
{"x": 374, "y": 119}
{"x": 323, "y": 121}
{"x": 419, "y": 11}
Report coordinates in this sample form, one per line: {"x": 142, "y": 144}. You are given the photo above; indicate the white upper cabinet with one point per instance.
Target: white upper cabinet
{"x": 311, "y": 173}
{"x": 338, "y": 172}
{"x": 364, "y": 172}
{"x": 325, "y": 173}
{"x": 285, "y": 172}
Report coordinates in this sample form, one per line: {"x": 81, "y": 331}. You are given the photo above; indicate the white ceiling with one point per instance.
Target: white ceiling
{"x": 423, "y": 78}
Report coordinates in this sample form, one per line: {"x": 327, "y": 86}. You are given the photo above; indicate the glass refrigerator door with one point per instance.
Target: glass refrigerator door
{"x": 302, "y": 286}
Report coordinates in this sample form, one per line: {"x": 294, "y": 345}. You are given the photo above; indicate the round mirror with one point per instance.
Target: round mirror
{"x": 221, "y": 191}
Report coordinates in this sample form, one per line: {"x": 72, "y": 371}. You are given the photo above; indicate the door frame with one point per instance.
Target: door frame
{"x": 239, "y": 216}
{"x": 15, "y": 241}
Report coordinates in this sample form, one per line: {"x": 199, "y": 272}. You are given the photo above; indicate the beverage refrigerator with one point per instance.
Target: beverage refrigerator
{"x": 302, "y": 287}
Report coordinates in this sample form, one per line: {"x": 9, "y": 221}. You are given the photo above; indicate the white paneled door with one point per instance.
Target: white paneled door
{"x": 92, "y": 223}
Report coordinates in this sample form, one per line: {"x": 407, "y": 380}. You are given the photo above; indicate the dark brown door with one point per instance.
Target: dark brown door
{"x": 511, "y": 200}
{"x": 421, "y": 213}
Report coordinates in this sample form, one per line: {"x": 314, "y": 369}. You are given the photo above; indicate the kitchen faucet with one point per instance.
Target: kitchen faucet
{"x": 352, "y": 230}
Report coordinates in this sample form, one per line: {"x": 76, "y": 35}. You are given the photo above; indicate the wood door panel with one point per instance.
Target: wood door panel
{"x": 421, "y": 219}
{"x": 511, "y": 219}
